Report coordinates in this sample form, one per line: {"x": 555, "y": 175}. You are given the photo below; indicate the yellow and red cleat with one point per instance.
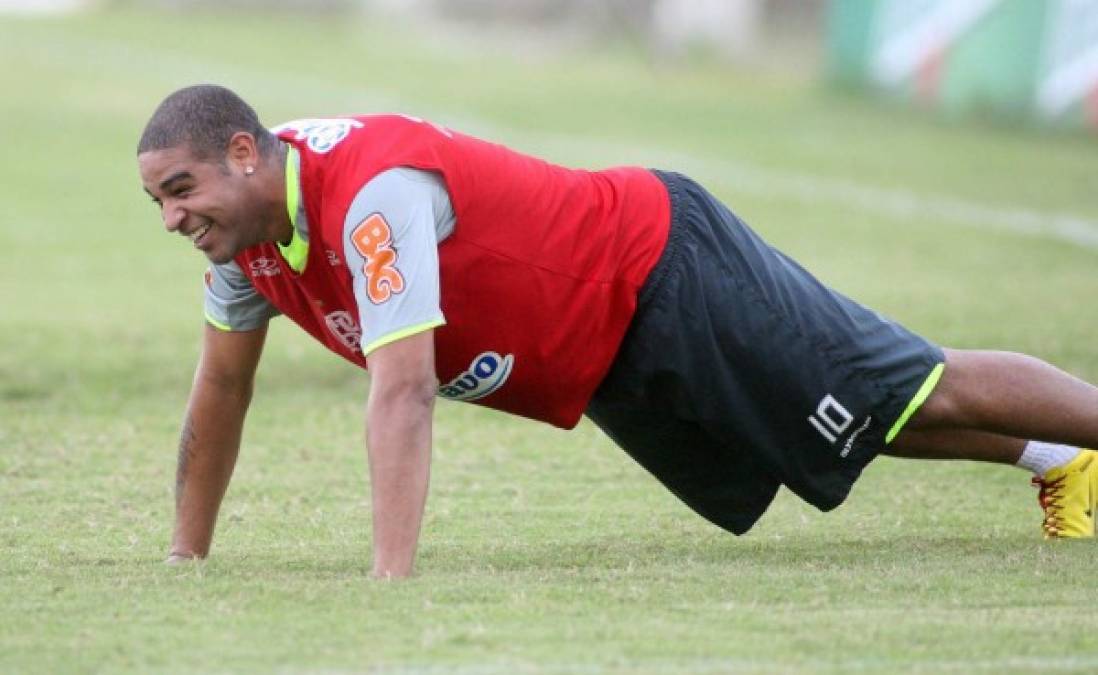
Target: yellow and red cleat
{"x": 1067, "y": 496}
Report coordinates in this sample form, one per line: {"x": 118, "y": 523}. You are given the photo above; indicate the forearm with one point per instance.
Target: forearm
{"x": 208, "y": 448}
{"x": 399, "y": 442}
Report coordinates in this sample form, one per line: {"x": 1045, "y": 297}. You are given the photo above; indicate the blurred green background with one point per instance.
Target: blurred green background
{"x": 543, "y": 551}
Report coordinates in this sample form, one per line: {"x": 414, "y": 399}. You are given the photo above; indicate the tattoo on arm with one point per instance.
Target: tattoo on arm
{"x": 186, "y": 452}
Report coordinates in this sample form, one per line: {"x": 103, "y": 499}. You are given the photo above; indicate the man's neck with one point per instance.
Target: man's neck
{"x": 285, "y": 228}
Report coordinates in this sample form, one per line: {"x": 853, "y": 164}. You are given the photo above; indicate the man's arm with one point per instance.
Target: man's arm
{"x": 210, "y": 440}
{"x": 398, "y": 438}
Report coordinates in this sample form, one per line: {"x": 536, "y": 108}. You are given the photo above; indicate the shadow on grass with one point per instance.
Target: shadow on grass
{"x": 619, "y": 554}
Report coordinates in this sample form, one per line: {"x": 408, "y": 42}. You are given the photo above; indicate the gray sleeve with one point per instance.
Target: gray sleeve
{"x": 232, "y": 303}
{"x": 391, "y": 234}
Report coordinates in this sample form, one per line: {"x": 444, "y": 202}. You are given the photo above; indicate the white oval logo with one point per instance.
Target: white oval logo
{"x": 488, "y": 373}
{"x": 321, "y": 135}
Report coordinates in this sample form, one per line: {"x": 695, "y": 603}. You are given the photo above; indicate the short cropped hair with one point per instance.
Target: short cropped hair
{"x": 203, "y": 117}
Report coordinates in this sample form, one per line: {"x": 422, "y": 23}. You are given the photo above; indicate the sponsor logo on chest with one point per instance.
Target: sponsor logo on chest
{"x": 264, "y": 267}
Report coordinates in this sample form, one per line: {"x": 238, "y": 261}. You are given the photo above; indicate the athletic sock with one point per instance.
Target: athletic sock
{"x": 1039, "y": 457}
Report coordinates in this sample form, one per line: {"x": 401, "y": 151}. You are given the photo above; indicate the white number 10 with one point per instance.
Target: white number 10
{"x": 831, "y": 418}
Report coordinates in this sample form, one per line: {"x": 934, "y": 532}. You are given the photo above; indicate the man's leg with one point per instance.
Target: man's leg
{"x": 987, "y": 402}
{"x": 1011, "y": 395}
{"x": 1067, "y": 476}
{"x": 978, "y": 446}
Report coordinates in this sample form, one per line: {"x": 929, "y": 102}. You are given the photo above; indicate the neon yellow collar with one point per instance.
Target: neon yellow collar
{"x": 296, "y": 252}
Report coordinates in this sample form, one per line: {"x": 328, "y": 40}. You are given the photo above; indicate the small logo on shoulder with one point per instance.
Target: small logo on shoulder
{"x": 321, "y": 135}
{"x": 488, "y": 372}
{"x": 373, "y": 239}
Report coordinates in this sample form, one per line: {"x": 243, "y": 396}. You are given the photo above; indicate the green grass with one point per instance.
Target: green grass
{"x": 543, "y": 551}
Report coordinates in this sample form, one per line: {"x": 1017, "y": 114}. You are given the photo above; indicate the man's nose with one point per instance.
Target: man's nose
{"x": 173, "y": 217}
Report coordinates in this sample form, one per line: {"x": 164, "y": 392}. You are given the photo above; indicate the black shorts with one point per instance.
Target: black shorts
{"x": 741, "y": 372}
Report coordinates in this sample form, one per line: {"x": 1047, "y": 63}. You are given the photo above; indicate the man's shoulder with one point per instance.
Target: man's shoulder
{"x": 235, "y": 273}
{"x": 323, "y": 135}
{"x": 403, "y": 181}
{"x": 319, "y": 134}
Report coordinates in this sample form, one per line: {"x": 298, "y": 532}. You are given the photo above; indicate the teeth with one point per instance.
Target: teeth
{"x": 198, "y": 234}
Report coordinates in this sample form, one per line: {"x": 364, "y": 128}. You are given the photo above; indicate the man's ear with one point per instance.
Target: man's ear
{"x": 242, "y": 151}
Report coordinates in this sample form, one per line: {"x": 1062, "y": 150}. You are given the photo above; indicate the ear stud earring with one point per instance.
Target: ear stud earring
{"x": 249, "y": 170}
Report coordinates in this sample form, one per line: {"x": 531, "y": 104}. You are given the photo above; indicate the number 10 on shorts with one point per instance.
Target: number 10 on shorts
{"x": 831, "y": 418}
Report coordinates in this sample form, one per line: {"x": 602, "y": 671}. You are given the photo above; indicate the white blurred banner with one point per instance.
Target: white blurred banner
{"x": 42, "y": 6}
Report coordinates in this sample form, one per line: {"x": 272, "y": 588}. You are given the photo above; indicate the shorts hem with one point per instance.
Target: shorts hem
{"x": 916, "y": 402}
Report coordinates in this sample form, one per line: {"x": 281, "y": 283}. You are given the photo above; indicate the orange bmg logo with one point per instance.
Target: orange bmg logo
{"x": 373, "y": 240}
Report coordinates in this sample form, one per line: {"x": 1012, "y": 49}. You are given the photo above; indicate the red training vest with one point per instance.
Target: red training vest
{"x": 539, "y": 279}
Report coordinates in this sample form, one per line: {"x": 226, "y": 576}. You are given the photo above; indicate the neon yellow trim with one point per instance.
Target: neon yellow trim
{"x": 296, "y": 252}
{"x": 401, "y": 334}
{"x": 217, "y": 324}
{"x": 292, "y": 194}
{"x": 917, "y": 401}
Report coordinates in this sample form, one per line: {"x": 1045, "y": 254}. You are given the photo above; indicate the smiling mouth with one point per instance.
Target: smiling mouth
{"x": 197, "y": 235}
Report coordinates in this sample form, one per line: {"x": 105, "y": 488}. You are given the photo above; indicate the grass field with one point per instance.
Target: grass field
{"x": 542, "y": 551}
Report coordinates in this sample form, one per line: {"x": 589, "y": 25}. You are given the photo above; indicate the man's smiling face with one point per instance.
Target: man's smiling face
{"x": 205, "y": 200}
